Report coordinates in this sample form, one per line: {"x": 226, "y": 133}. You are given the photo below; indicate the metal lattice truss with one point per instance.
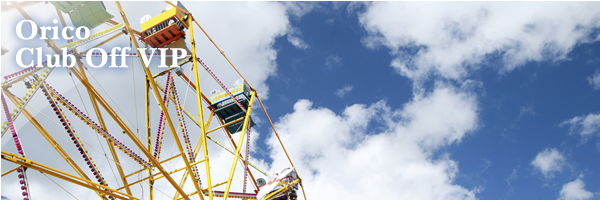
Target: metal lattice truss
{"x": 187, "y": 150}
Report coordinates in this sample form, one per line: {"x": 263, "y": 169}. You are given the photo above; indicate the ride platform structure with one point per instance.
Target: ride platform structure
{"x": 127, "y": 160}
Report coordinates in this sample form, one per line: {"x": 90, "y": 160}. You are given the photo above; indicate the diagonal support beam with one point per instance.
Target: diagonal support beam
{"x": 278, "y": 138}
{"x": 123, "y": 126}
{"x": 95, "y": 104}
{"x": 163, "y": 107}
{"x": 201, "y": 114}
{"x": 51, "y": 140}
{"x": 240, "y": 144}
{"x": 30, "y": 164}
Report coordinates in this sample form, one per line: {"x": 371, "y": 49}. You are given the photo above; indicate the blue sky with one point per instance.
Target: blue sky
{"x": 520, "y": 111}
{"x": 405, "y": 100}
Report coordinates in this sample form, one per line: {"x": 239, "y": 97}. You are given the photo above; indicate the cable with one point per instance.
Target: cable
{"x": 186, "y": 89}
{"x": 111, "y": 99}
{"x": 134, "y": 95}
{"x": 88, "y": 113}
{"x": 59, "y": 185}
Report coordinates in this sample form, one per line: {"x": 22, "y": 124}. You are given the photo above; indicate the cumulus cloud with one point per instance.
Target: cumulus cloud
{"x": 294, "y": 37}
{"x": 513, "y": 176}
{"x": 549, "y": 161}
{"x": 299, "y": 9}
{"x": 343, "y": 91}
{"x": 374, "y": 151}
{"x": 330, "y": 21}
{"x": 594, "y": 80}
{"x": 583, "y": 125}
{"x": 575, "y": 190}
{"x": 451, "y": 39}
{"x": 333, "y": 61}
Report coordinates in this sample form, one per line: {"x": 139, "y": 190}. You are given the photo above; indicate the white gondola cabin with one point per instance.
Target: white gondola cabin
{"x": 279, "y": 186}
{"x": 226, "y": 108}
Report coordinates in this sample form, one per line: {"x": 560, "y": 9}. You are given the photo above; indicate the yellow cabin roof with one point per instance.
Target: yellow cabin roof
{"x": 162, "y": 17}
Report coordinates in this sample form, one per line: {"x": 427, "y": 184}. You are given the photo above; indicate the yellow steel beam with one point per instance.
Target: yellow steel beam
{"x": 234, "y": 146}
{"x": 201, "y": 113}
{"x": 10, "y": 171}
{"x": 158, "y": 176}
{"x": 224, "y": 125}
{"x": 182, "y": 182}
{"x": 203, "y": 189}
{"x": 240, "y": 144}
{"x": 193, "y": 86}
{"x": 8, "y": 84}
{"x": 64, "y": 24}
{"x": 179, "y": 169}
{"x": 12, "y": 157}
{"x": 161, "y": 162}
{"x": 149, "y": 134}
{"x": 222, "y": 53}
{"x": 286, "y": 187}
{"x": 123, "y": 126}
{"x": 58, "y": 148}
{"x": 108, "y": 142}
{"x": 99, "y": 44}
{"x": 49, "y": 138}
{"x": 162, "y": 106}
{"x": 50, "y": 43}
{"x": 95, "y": 104}
{"x": 115, "y": 23}
{"x": 163, "y": 72}
{"x": 23, "y": 4}
{"x": 196, "y": 150}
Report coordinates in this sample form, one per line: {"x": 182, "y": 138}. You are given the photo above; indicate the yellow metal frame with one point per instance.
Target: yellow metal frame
{"x": 12, "y": 157}
{"x": 166, "y": 114}
{"x": 240, "y": 144}
{"x": 200, "y": 107}
{"x": 284, "y": 188}
{"x": 99, "y": 104}
{"x": 173, "y": 12}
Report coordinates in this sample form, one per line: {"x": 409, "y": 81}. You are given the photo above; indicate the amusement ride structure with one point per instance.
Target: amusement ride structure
{"x": 128, "y": 146}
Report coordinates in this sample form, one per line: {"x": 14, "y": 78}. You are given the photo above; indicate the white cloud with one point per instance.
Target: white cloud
{"x": 330, "y": 21}
{"x": 548, "y": 162}
{"x": 584, "y": 125}
{"x": 343, "y": 91}
{"x": 526, "y": 110}
{"x": 594, "y": 80}
{"x": 242, "y": 27}
{"x": 450, "y": 39}
{"x": 513, "y": 176}
{"x": 294, "y": 37}
{"x": 299, "y": 9}
{"x": 371, "y": 152}
{"x": 575, "y": 190}
{"x": 333, "y": 61}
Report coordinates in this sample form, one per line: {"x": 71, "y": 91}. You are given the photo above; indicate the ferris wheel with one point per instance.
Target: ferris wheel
{"x": 83, "y": 140}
